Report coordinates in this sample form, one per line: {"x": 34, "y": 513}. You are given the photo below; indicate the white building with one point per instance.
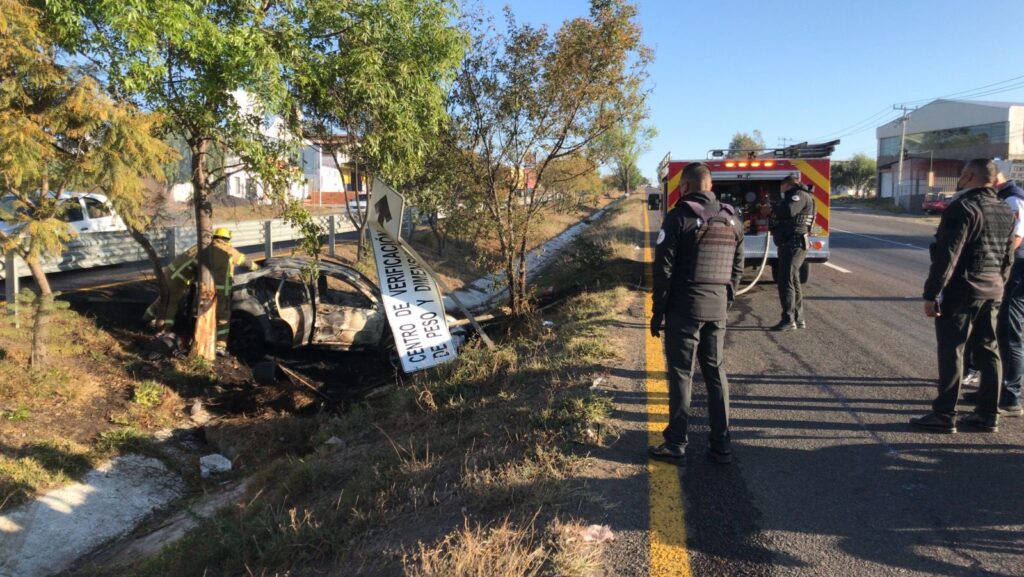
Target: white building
{"x": 322, "y": 181}
{"x": 940, "y": 138}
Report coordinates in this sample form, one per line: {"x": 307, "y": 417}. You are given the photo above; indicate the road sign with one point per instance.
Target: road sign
{"x": 386, "y": 209}
{"x": 413, "y": 306}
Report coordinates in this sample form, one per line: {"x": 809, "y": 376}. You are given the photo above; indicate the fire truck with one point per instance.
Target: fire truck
{"x": 749, "y": 180}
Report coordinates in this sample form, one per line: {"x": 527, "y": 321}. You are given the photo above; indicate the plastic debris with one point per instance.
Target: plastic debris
{"x": 548, "y": 324}
{"x": 334, "y": 441}
{"x": 597, "y": 534}
{"x": 597, "y": 382}
{"x": 199, "y": 414}
{"x": 213, "y": 465}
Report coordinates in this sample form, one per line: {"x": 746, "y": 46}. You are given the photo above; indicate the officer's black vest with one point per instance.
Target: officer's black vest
{"x": 797, "y": 225}
{"x": 988, "y": 252}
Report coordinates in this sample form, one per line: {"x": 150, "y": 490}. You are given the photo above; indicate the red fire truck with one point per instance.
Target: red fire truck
{"x": 750, "y": 181}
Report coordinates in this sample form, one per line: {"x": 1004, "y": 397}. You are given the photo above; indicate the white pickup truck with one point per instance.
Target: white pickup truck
{"x": 84, "y": 212}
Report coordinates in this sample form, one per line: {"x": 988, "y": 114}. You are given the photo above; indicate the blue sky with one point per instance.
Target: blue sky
{"x": 804, "y": 70}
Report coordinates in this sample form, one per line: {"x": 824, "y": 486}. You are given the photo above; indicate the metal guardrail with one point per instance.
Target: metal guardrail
{"x": 110, "y": 248}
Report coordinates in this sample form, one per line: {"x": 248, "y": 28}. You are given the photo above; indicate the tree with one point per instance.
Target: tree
{"x": 571, "y": 180}
{"x": 229, "y": 76}
{"x": 741, "y": 141}
{"x": 623, "y": 145}
{"x": 857, "y": 173}
{"x": 59, "y": 133}
{"x": 387, "y": 114}
{"x": 616, "y": 180}
{"x": 526, "y": 98}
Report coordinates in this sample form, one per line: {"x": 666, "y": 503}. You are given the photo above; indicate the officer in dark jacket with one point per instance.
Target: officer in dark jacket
{"x": 970, "y": 263}
{"x": 792, "y": 218}
{"x": 694, "y": 314}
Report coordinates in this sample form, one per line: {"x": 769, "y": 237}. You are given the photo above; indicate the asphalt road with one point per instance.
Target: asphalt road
{"x": 829, "y": 478}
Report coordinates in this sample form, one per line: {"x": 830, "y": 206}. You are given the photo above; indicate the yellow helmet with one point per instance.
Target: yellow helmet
{"x": 222, "y": 233}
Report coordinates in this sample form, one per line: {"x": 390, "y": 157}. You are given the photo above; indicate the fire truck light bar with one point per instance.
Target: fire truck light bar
{"x": 756, "y": 164}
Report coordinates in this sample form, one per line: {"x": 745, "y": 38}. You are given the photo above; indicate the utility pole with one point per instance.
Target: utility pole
{"x": 784, "y": 142}
{"x": 903, "y": 142}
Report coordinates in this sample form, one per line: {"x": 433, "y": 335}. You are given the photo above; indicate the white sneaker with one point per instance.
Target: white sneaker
{"x": 972, "y": 378}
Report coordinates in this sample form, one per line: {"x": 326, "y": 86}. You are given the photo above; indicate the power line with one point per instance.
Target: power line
{"x": 867, "y": 123}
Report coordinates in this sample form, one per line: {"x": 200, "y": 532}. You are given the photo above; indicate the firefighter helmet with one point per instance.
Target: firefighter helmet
{"x": 222, "y": 233}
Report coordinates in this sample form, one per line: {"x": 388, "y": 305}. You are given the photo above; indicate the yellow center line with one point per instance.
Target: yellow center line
{"x": 669, "y": 557}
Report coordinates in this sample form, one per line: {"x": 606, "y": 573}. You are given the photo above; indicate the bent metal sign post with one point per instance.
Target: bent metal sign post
{"x": 413, "y": 306}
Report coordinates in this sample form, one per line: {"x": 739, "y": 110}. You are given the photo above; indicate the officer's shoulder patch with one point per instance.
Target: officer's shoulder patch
{"x": 661, "y": 236}
{"x": 795, "y": 197}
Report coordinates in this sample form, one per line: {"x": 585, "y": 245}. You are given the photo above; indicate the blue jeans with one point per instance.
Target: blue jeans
{"x": 1011, "y": 335}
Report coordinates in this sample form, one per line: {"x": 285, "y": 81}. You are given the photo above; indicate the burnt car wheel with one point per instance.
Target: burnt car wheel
{"x": 388, "y": 352}
{"x": 246, "y": 337}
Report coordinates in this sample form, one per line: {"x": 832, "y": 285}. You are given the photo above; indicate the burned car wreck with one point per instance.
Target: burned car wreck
{"x": 276, "y": 306}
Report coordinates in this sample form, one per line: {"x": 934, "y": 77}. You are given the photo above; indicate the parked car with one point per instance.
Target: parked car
{"x": 85, "y": 213}
{"x": 936, "y": 202}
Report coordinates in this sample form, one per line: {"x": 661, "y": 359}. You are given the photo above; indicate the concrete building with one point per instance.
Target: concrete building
{"x": 941, "y": 137}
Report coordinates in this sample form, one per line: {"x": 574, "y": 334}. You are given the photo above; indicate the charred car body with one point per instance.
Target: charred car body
{"x": 276, "y": 305}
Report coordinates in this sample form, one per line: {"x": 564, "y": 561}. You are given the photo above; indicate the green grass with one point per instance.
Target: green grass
{"x": 42, "y": 465}
{"x": 148, "y": 394}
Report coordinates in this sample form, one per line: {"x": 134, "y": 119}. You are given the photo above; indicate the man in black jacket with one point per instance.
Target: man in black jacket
{"x": 694, "y": 310}
{"x": 970, "y": 261}
{"x": 792, "y": 218}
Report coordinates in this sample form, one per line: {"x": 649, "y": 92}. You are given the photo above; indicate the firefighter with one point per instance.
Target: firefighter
{"x": 970, "y": 263}
{"x": 792, "y": 218}
{"x": 181, "y": 274}
{"x": 694, "y": 283}
{"x": 223, "y": 260}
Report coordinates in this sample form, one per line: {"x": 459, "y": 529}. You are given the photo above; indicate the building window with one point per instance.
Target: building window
{"x": 889, "y": 146}
{"x": 947, "y": 139}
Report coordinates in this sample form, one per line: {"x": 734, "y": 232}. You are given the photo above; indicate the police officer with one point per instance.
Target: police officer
{"x": 792, "y": 218}
{"x": 1010, "y": 327}
{"x": 970, "y": 262}
{"x": 693, "y": 306}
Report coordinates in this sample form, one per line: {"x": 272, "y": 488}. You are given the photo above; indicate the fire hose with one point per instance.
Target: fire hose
{"x": 760, "y": 270}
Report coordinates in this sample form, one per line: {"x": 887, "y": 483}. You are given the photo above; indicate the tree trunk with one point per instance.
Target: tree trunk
{"x": 44, "y": 306}
{"x": 204, "y": 337}
{"x": 154, "y": 259}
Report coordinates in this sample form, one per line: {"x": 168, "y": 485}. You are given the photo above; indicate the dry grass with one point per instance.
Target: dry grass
{"x": 507, "y": 550}
{"x": 467, "y": 470}
{"x": 57, "y": 423}
{"x": 467, "y": 257}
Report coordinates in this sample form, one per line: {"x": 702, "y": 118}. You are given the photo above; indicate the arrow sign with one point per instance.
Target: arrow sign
{"x": 383, "y": 212}
{"x": 386, "y": 209}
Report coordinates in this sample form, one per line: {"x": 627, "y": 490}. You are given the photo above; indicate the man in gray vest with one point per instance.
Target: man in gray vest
{"x": 698, "y": 262}
{"x": 970, "y": 263}
{"x": 792, "y": 218}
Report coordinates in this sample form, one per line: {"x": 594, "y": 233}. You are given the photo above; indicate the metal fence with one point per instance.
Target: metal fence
{"x": 111, "y": 248}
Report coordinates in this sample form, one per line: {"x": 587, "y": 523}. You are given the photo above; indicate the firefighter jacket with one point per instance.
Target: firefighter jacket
{"x": 793, "y": 216}
{"x": 182, "y": 269}
{"x": 972, "y": 250}
{"x": 673, "y": 253}
{"x": 223, "y": 260}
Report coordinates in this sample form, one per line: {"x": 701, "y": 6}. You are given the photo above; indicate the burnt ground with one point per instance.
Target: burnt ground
{"x": 320, "y": 379}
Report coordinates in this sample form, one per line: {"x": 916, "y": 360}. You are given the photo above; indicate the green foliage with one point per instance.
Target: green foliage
{"x": 16, "y": 415}
{"x": 741, "y": 141}
{"x": 858, "y": 173}
{"x": 526, "y": 98}
{"x": 148, "y": 394}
